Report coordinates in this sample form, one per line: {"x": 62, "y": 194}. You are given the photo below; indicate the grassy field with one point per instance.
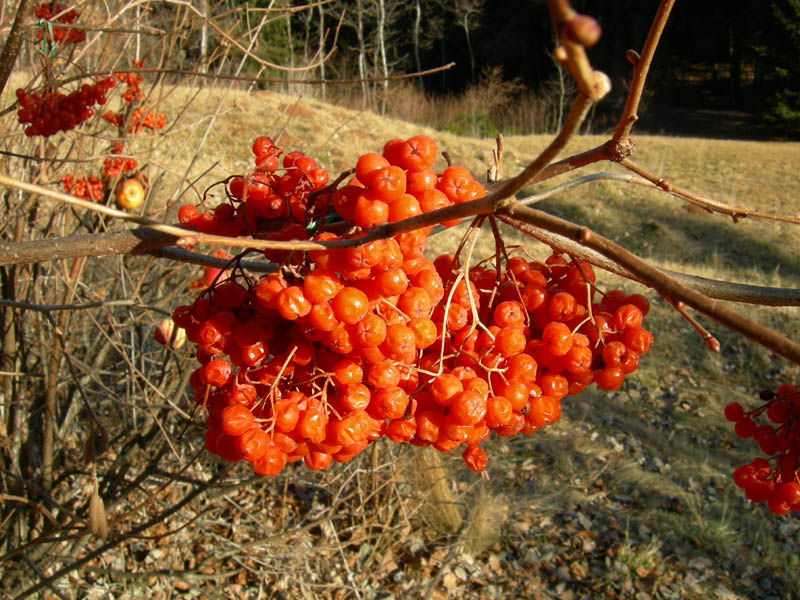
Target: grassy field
{"x": 629, "y": 495}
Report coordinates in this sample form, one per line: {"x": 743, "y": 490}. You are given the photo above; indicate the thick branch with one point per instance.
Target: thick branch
{"x": 14, "y": 41}
{"x": 134, "y": 241}
{"x": 661, "y": 282}
{"x": 713, "y": 288}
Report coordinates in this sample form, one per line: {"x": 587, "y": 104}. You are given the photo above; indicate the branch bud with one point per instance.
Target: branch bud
{"x": 632, "y": 56}
{"x": 560, "y": 54}
{"x": 583, "y": 30}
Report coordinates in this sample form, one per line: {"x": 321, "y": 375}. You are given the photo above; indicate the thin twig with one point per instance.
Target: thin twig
{"x": 713, "y": 288}
{"x": 735, "y": 212}
{"x": 640, "y": 70}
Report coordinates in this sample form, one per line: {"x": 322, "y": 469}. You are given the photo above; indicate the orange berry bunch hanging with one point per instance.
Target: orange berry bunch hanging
{"x": 341, "y": 347}
{"x": 90, "y": 187}
{"x": 772, "y": 478}
{"x": 141, "y": 118}
{"x": 281, "y": 196}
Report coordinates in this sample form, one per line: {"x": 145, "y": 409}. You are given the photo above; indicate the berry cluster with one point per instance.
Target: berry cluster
{"x": 92, "y": 187}
{"x": 773, "y": 479}
{"x": 401, "y": 183}
{"x": 344, "y": 346}
{"x": 88, "y": 188}
{"x": 270, "y": 198}
{"x": 132, "y": 80}
{"x": 47, "y": 11}
{"x": 50, "y": 112}
{"x": 116, "y": 165}
{"x": 140, "y": 119}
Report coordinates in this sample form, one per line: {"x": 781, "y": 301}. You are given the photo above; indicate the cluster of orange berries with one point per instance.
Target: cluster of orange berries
{"x": 132, "y": 81}
{"x": 90, "y": 187}
{"x": 270, "y": 198}
{"x": 115, "y": 165}
{"x": 47, "y": 11}
{"x": 47, "y": 113}
{"x": 140, "y": 119}
{"x": 773, "y": 479}
{"x": 344, "y": 346}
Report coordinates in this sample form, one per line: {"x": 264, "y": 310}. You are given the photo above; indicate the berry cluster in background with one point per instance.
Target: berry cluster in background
{"x": 771, "y": 478}
{"x": 48, "y": 113}
{"x": 341, "y": 347}
{"x": 65, "y": 35}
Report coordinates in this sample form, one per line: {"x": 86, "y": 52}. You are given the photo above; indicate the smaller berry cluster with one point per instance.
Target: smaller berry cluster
{"x": 114, "y": 165}
{"x": 140, "y": 119}
{"x": 133, "y": 92}
{"x": 50, "y": 112}
{"x": 90, "y": 187}
{"x": 65, "y": 35}
{"x": 773, "y": 479}
{"x": 270, "y": 198}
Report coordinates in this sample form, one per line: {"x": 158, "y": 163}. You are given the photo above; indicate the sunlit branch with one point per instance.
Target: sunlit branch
{"x": 661, "y": 282}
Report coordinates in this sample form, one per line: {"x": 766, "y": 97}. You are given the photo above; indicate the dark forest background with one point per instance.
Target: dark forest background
{"x": 731, "y": 61}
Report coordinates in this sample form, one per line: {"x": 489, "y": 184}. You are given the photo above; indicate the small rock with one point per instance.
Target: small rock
{"x": 585, "y": 521}
{"x": 562, "y": 574}
{"x": 531, "y": 558}
{"x": 181, "y": 585}
{"x": 449, "y": 580}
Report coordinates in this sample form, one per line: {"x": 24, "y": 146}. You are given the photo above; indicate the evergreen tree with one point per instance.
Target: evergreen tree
{"x": 780, "y": 66}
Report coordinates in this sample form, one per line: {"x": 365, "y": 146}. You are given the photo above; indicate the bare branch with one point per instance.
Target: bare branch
{"x": 14, "y": 41}
{"x": 640, "y": 69}
{"x": 713, "y": 288}
{"x": 661, "y": 282}
{"x": 735, "y": 212}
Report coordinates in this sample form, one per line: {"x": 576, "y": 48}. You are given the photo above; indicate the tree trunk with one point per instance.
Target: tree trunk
{"x": 469, "y": 47}
{"x": 290, "y": 74}
{"x": 415, "y": 38}
{"x": 321, "y": 50}
{"x": 203, "y": 38}
{"x": 382, "y": 52}
{"x": 362, "y": 55}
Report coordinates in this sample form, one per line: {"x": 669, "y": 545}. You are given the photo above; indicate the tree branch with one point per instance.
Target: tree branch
{"x": 735, "y": 212}
{"x": 14, "y": 41}
{"x": 713, "y": 288}
{"x": 661, "y": 282}
{"x": 640, "y": 69}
